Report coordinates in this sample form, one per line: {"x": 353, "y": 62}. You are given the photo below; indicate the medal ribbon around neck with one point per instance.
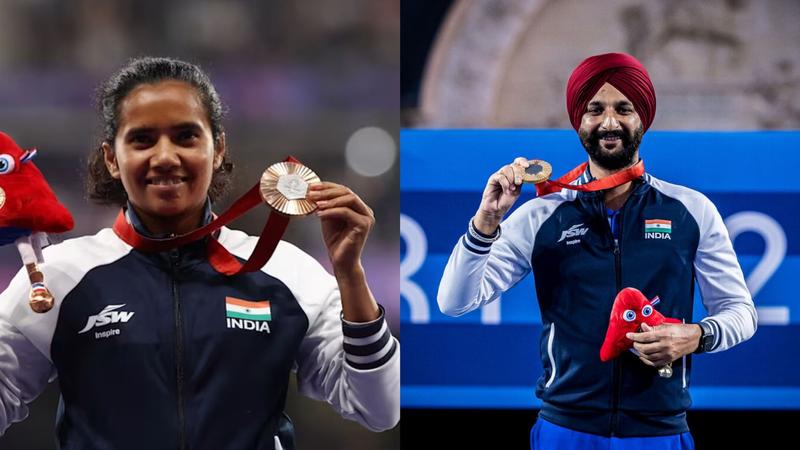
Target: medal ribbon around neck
{"x": 601, "y": 184}
{"x": 219, "y": 257}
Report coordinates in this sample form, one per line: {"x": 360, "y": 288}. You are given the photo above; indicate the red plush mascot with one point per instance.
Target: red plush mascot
{"x": 631, "y": 309}
{"x": 28, "y": 210}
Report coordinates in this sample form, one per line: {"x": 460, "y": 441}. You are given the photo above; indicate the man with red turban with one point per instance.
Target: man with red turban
{"x": 612, "y": 140}
{"x": 613, "y": 227}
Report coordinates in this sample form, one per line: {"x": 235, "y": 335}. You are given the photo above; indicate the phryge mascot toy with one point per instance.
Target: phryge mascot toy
{"x": 630, "y": 310}
{"x": 28, "y": 210}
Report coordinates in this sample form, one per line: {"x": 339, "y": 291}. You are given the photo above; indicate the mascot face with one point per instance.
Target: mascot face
{"x": 26, "y": 200}
{"x": 13, "y": 168}
{"x": 631, "y": 309}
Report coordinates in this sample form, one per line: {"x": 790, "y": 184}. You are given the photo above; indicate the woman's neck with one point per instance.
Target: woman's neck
{"x": 170, "y": 226}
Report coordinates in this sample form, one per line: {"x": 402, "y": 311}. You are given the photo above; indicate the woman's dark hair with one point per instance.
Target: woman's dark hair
{"x": 104, "y": 189}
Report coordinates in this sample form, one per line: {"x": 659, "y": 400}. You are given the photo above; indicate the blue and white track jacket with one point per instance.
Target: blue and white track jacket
{"x": 146, "y": 357}
{"x": 565, "y": 239}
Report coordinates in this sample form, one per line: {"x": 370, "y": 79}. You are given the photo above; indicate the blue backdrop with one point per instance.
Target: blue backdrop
{"x": 490, "y": 358}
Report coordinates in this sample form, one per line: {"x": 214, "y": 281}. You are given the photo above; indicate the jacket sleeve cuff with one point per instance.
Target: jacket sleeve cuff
{"x": 368, "y": 345}
{"x": 477, "y": 242}
{"x": 715, "y": 330}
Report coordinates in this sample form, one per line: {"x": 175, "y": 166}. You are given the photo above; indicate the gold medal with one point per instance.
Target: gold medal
{"x": 284, "y": 187}
{"x": 538, "y": 171}
{"x": 2, "y": 198}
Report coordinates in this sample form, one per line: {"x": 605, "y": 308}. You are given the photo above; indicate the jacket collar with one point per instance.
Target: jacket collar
{"x": 137, "y": 224}
{"x": 587, "y": 176}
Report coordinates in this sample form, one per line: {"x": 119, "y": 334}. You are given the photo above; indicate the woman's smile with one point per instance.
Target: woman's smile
{"x": 164, "y": 154}
{"x": 166, "y": 180}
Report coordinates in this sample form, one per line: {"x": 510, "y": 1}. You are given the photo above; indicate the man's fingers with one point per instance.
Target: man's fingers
{"x": 519, "y": 172}
{"x": 508, "y": 173}
{"x": 644, "y": 337}
{"x": 501, "y": 180}
{"x": 521, "y": 161}
{"x": 656, "y": 354}
{"x": 508, "y": 178}
{"x": 512, "y": 173}
{"x": 653, "y": 350}
{"x": 646, "y": 327}
{"x": 647, "y": 361}
{"x": 658, "y": 362}
{"x": 648, "y": 349}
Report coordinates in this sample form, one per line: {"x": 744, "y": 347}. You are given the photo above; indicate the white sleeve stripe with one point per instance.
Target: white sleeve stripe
{"x": 477, "y": 240}
{"x": 363, "y": 329}
{"x": 363, "y": 324}
{"x": 373, "y": 357}
{"x": 366, "y": 350}
{"x": 369, "y": 339}
{"x": 717, "y": 331}
{"x": 473, "y": 248}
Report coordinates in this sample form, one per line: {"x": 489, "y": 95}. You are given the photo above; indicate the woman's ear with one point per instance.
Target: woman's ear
{"x": 110, "y": 159}
{"x": 219, "y": 151}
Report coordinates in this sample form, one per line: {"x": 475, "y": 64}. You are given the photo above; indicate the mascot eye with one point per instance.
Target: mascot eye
{"x": 6, "y": 164}
{"x": 647, "y": 310}
{"x": 629, "y": 315}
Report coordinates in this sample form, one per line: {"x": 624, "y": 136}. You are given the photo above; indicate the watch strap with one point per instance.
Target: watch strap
{"x": 706, "y": 339}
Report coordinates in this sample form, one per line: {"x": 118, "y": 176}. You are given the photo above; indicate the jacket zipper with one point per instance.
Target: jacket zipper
{"x": 616, "y": 391}
{"x": 178, "y": 350}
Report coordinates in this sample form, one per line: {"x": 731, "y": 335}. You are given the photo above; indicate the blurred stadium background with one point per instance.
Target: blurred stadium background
{"x": 318, "y": 79}
{"x": 716, "y": 65}
{"x": 727, "y": 78}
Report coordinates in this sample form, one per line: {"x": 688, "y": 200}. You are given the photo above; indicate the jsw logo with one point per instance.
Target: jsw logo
{"x": 573, "y": 231}
{"x": 106, "y": 316}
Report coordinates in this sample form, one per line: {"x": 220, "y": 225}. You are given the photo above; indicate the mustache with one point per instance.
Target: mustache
{"x": 613, "y": 133}
{"x": 596, "y": 135}
{"x": 616, "y": 160}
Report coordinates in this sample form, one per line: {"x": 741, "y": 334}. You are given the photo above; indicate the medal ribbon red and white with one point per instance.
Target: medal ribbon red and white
{"x": 219, "y": 257}
{"x": 613, "y": 180}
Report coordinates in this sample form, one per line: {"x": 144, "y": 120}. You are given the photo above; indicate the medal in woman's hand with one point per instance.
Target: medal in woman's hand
{"x": 284, "y": 187}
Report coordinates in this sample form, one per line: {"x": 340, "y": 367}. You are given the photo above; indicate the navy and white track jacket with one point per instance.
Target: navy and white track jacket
{"x": 146, "y": 356}
{"x": 565, "y": 239}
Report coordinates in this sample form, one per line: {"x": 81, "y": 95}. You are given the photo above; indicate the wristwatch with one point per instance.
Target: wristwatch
{"x": 707, "y": 339}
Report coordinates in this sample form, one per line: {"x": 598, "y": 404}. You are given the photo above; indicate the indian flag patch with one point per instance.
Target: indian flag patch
{"x": 658, "y": 229}
{"x": 247, "y": 315}
{"x": 657, "y": 226}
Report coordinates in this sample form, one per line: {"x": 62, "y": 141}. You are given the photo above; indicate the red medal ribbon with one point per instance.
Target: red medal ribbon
{"x": 615, "y": 179}
{"x": 219, "y": 257}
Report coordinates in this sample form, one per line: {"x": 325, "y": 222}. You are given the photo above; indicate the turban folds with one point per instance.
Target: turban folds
{"x": 620, "y": 70}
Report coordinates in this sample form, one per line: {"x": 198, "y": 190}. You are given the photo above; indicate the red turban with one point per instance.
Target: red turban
{"x": 620, "y": 70}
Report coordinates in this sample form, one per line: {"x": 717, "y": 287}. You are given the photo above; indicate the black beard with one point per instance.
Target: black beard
{"x": 618, "y": 159}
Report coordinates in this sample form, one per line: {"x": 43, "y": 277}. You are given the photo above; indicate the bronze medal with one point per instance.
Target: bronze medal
{"x": 537, "y": 172}
{"x": 284, "y": 187}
